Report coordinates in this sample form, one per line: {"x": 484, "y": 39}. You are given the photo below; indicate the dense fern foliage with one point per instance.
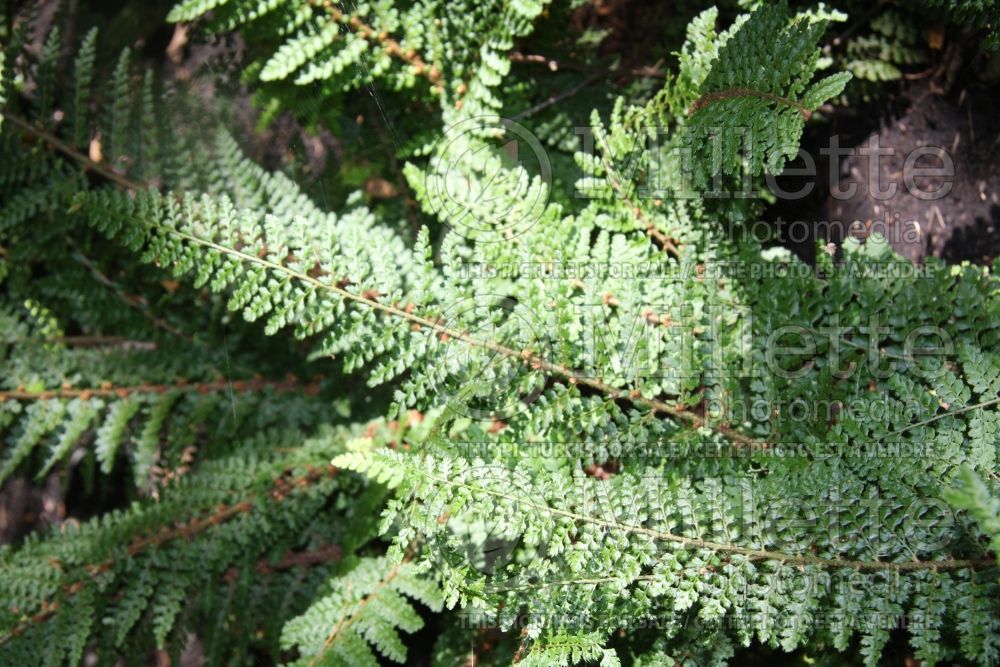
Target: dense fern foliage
{"x": 574, "y": 412}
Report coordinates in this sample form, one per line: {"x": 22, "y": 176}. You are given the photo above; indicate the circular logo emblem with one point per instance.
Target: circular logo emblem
{"x": 489, "y": 178}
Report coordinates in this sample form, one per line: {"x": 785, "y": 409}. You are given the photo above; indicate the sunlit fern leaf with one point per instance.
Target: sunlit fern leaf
{"x": 753, "y": 103}
{"x": 362, "y": 614}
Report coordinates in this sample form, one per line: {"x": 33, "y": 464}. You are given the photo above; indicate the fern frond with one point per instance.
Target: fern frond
{"x": 974, "y": 496}
{"x": 568, "y": 650}
{"x": 753, "y": 102}
{"x": 364, "y": 611}
{"x": 160, "y": 555}
{"x": 573, "y": 453}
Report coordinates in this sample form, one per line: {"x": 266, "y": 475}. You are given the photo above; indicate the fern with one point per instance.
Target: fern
{"x": 369, "y": 602}
{"x": 569, "y": 650}
{"x": 767, "y": 104}
{"x": 973, "y": 495}
{"x": 158, "y": 554}
{"x": 47, "y": 411}
{"x": 404, "y": 47}
{"x": 568, "y": 460}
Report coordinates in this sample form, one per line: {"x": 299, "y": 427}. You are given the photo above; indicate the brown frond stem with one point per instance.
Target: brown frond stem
{"x": 646, "y": 72}
{"x": 134, "y": 302}
{"x": 717, "y": 96}
{"x": 177, "y": 531}
{"x": 521, "y": 646}
{"x": 102, "y": 341}
{"x": 292, "y": 559}
{"x": 115, "y": 177}
{"x": 735, "y": 549}
{"x": 556, "y": 98}
{"x": 346, "y": 621}
{"x": 432, "y": 324}
{"x": 665, "y": 241}
{"x": 256, "y": 384}
{"x": 90, "y": 341}
{"x": 654, "y": 233}
{"x": 222, "y": 514}
{"x": 390, "y": 45}
{"x": 58, "y": 144}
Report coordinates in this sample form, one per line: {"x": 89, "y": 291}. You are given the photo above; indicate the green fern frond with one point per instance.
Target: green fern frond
{"x": 753, "y": 103}
{"x": 159, "y": 555}
{"x": 575, "y": 454}
{"x": 974, "y": 496}
{"x": 361, "y": 614}
{"x": 568, "y": 650}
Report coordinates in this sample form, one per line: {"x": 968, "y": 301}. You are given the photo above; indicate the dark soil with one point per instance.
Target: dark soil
{"x": 956, "y": 218}
{"x": 964, "y": 224}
